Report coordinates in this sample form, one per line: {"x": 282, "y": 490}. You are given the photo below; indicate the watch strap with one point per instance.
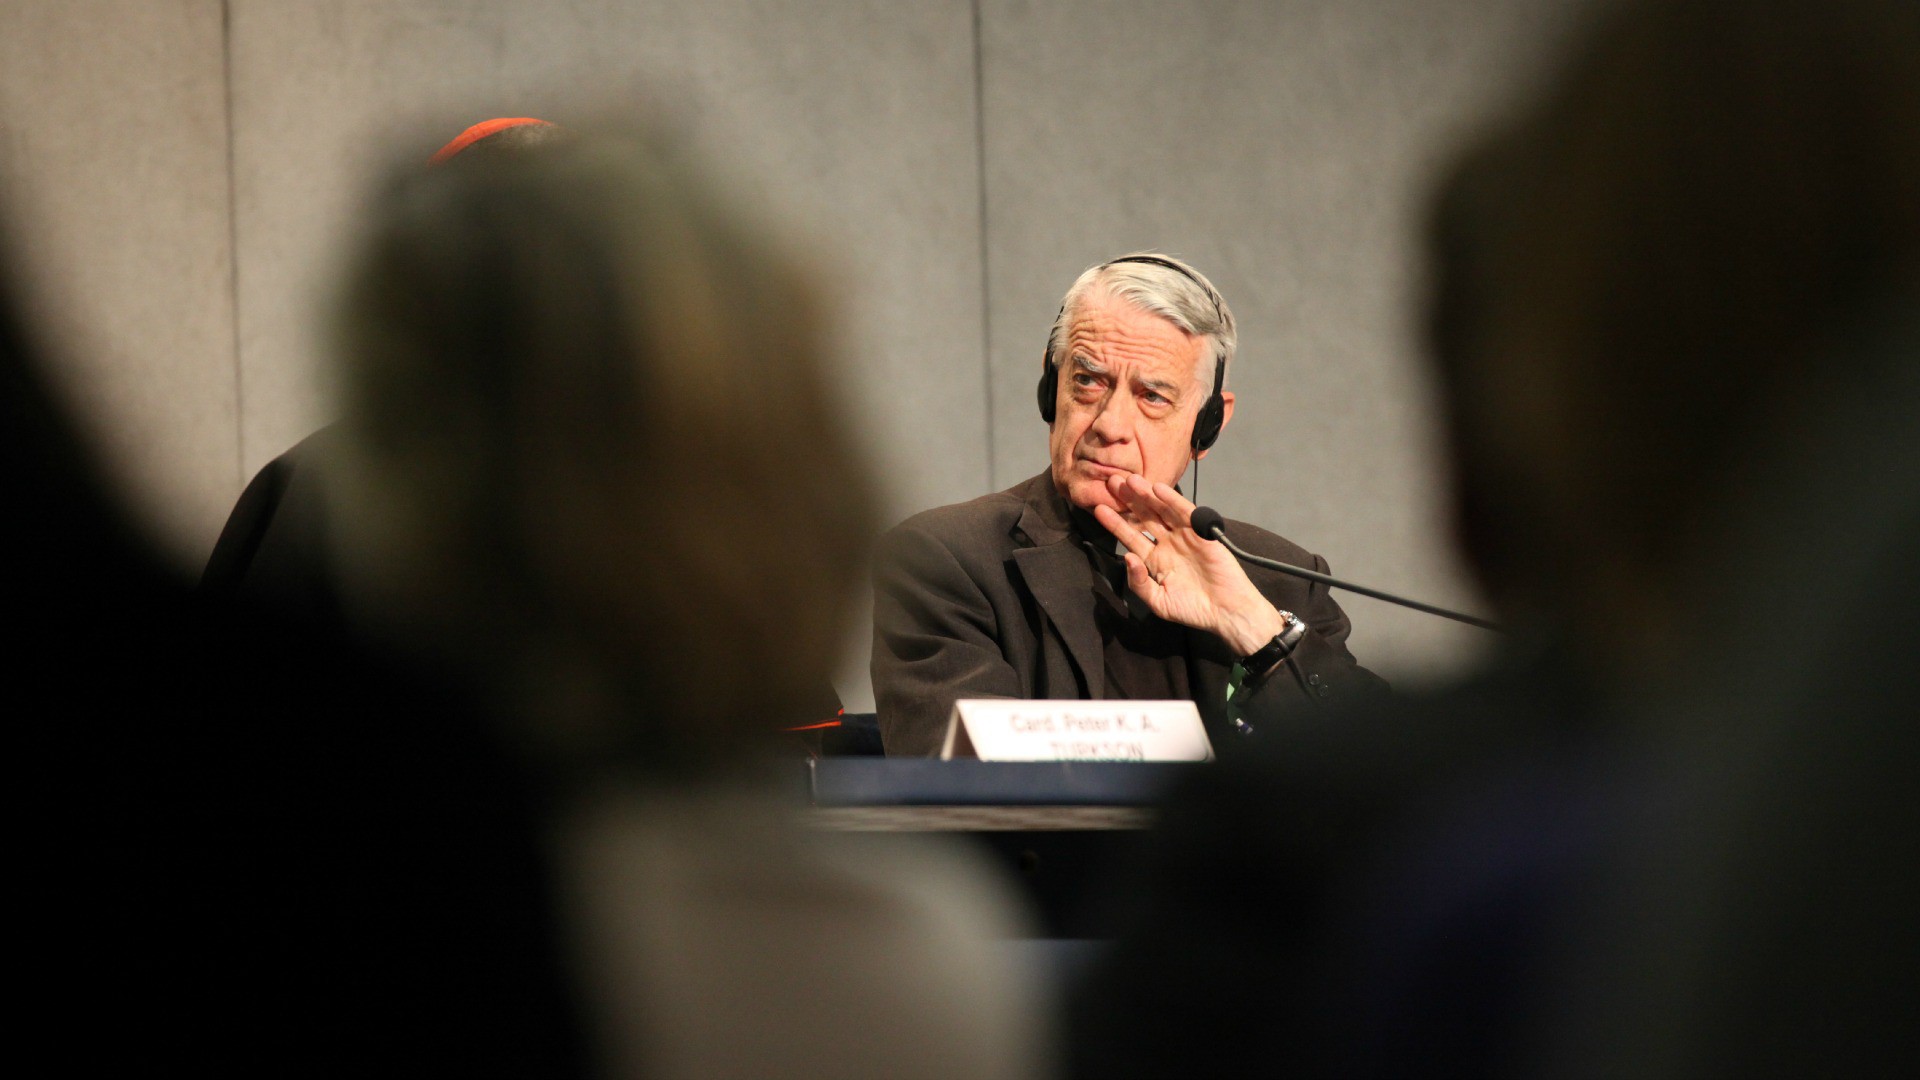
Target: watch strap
{"x": 1262, "y": 661}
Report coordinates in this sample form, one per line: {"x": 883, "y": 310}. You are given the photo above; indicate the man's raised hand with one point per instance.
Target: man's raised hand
{"x": 1183, "y": 578}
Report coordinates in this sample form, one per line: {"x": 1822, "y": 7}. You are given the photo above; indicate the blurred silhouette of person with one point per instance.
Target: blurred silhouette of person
{"x": 275, "y": 547}
{"x": 1677, "y": 319}
{"x": 591, "y": 461}
{"x": 279, "y": 546}
{"x": 226, "y": 878}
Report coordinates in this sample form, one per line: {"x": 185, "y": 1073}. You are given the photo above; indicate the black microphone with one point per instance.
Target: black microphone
{"x": 1209, "y": 523}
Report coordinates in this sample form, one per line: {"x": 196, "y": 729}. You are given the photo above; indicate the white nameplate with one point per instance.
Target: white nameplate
{"x": 998, "y": 729}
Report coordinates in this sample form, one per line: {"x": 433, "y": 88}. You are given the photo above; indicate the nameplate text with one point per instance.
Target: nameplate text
{"x": 999, "y": 729}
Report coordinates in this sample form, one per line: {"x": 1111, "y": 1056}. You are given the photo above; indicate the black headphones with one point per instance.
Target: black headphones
{"x": 1206, "y": 426}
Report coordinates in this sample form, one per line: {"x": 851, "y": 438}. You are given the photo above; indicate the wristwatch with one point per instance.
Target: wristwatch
{"x": 1261, "y": 662}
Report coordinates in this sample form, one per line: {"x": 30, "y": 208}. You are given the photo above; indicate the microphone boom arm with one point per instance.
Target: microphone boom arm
{"x": 1220, "y": 534}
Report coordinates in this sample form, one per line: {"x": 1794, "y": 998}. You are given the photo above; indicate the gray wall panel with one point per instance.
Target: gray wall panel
{"x": 850, "y": 122}
{"x": 1285, "y": 148}
{"x": 113, "y": 115}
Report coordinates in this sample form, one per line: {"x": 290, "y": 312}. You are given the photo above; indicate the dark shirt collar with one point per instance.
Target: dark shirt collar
{"x": 1087, "y": 529}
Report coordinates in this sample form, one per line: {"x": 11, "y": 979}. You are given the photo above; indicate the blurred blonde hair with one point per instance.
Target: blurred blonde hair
{"x": 595, "y": 453}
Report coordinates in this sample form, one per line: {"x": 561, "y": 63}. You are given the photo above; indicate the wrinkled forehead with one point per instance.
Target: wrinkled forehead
{"x": 1104, "y": 330}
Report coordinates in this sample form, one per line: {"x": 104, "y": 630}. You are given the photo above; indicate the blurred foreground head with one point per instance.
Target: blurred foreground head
{"x": 595, "y": 459}
{"x": 1664, "y": 288}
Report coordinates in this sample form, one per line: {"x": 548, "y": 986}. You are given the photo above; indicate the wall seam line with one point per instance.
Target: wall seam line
{"x": 980, "y": 180}
{"x": 233, "y": 255}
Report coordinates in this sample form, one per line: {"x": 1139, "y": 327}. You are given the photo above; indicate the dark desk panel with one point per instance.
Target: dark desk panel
{"x": 1065, "y": 831}
{"x": 978, "y": 818}
{"x": 927, "y": 782}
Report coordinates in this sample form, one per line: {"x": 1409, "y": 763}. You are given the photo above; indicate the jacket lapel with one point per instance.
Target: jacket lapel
{"x": 1056, "y": 573}
{"x": 1058, "y": 577}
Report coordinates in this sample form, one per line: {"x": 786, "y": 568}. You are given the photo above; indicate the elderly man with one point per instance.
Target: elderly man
{"x": 1087, "y": 580}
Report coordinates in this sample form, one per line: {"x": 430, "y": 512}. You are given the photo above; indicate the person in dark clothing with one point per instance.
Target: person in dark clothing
{"x": 573, "y": 384}
{"x": 227, "y": 879}
{"x": 1668, "y": 834}
{"x": 280, "y": 547}
{"x": 274, "y": 549}
{"x": 277, "y": 546}
{"x": 1086, "y": 581}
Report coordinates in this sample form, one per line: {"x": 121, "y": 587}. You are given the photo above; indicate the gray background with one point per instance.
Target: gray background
{"x": 180, "y": 176}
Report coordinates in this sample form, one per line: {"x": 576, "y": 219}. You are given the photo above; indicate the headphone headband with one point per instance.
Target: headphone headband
{"x": 1219, "y": 309}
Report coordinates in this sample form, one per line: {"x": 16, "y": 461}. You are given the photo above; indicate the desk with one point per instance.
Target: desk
{"x": 929, "y": 782}
{"x": 1063, "y": 829}
{"x": 978, "y": 818}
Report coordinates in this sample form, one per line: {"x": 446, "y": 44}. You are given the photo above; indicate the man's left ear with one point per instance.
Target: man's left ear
{"x": 1226, "y": 417}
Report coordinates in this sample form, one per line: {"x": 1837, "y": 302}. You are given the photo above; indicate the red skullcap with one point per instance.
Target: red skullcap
{"x": 480, "y": 131}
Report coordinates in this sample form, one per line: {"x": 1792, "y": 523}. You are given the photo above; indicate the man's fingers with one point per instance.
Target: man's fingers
{"x": 1137, "y": 576}
{"x": 1178, "y": 508}
{"x": 1130, "y": 537}
{"x": 1145, "y": 503}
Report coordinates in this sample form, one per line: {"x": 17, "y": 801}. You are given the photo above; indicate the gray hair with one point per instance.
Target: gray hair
{"x": 1183, "y": 297}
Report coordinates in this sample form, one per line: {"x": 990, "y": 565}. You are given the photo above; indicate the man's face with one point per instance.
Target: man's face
{"x": 1130, "y": 386}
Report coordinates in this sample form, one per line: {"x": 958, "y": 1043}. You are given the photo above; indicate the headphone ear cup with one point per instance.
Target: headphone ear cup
{"x": 1049, "y": 387}
{"x": 1206, "y": 426}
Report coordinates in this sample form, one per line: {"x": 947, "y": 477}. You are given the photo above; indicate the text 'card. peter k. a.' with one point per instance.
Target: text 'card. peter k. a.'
{"x": 998, "y": 729}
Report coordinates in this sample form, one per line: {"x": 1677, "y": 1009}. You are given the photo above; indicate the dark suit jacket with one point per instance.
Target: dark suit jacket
{"x": 994, "y": 598}
{"x": 275, "y": 549}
